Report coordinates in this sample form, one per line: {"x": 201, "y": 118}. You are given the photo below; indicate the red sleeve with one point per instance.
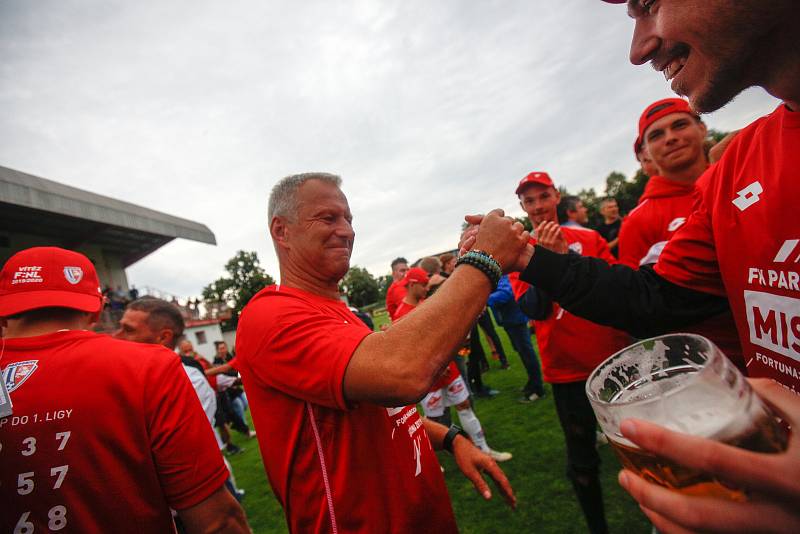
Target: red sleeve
{"x": 294, "y": 347}
{"x": 689, "y": 258}
{"x": 185, "y": 452}
{"x": 633, "y": 244}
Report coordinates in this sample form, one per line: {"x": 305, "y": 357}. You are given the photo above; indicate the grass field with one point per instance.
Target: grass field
{"x": 546, "y": 502}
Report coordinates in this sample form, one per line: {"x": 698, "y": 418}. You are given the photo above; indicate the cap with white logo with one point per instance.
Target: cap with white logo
{"x": 44, "y": 277}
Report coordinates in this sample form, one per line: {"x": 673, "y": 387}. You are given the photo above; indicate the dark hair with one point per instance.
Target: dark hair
{"x": 606, "y": 200}
{"x": 399, "y": 260}
{"x": 160, "y": 314}
{"x": 571, "y": 202}
{"x": 48, "y": 314}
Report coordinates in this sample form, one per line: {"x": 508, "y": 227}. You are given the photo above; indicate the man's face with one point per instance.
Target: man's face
{"x": 709, "y": 49}
{"x": 186, "y": 347}
{"x": 319, "y": 242}
{"x": 540, "y": 203}
{"x": 610, "y": 210}
{"x": 580, "y": 214}
{"x": 418, "y": 289}
{"x": 399, "y": 271}
{"x": 133, "y": 327}
{"x": 222, "y": 349}
{"x": 675, "y": 142}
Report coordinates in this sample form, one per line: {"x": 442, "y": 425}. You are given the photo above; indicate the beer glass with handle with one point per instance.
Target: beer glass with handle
{"x": 685, "y": 383}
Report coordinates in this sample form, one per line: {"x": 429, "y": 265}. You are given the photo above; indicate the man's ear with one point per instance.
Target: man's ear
{"x": 279, "y": 232}
{"x": 165, "y": 337}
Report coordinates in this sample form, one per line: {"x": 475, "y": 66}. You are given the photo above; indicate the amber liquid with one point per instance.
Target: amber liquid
{"x": 765, "y": 435}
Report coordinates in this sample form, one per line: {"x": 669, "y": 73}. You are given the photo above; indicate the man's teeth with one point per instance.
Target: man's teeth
{"x": 674, "y": 67}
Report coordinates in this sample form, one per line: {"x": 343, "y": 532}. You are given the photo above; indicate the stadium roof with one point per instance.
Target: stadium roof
{"x": 74, "y": 217}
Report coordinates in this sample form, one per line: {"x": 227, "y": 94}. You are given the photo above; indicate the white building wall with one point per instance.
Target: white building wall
{"x": 208, "y": 333}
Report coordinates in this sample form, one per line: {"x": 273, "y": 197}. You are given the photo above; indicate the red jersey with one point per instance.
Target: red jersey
{"x": 571, "y": 347}
{"x": 394, "y": 296}
{"x": 450, "y": 373}
{"x": 106, "y": 436}
{"x": 663, "y": 208}
{"x": 212, "y": 380}
{"x": 743, "y": 242}
{"x": 334, "y": 466}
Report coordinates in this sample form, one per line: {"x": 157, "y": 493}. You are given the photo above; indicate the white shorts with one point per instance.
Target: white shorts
{"x": 435, "y": 402}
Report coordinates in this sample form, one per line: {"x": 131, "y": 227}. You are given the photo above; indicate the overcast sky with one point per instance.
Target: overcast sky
{"x": 428, "y": 110}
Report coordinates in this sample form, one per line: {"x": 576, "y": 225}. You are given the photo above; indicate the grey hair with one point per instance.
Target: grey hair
{"x": 283, "y": 198}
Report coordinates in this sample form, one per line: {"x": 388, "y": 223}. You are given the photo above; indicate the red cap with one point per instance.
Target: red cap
{"x": 43, "y": 277}
{"x": 415, "y": 274}
{"x": 655, "y": 111}
{"x": 535, "y": 177}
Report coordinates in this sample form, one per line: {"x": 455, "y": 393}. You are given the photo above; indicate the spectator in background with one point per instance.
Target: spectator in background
{"x": 395, "y": 292}
{"x": 450, "y": 389}
{"x": 612, "y": 222}
{"x": 448, "y": 261}
{"x": 508, "y": 314}
{"x": 576, "y": 214}
{"x": 237, "y": 399}
{"x": 156, "y": 321}
{"x": 433, "y": 267}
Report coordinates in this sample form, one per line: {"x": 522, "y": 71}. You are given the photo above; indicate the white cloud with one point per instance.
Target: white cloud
{"x": 427, "y": 109}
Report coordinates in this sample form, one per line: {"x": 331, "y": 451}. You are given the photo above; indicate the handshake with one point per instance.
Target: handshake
{"x": 507, "y": 240}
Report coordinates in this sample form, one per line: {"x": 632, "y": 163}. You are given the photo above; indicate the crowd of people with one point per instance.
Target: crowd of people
{"x": 117, "y": 433}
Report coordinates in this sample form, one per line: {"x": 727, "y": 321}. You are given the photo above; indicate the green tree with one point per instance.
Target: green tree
{"x": 245, "y": 278}
{"x": 360, "y": 287}
{"x": 626, "y": 192}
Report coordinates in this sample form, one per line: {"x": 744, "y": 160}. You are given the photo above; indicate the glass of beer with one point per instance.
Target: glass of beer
{"x": 685, "y": 383}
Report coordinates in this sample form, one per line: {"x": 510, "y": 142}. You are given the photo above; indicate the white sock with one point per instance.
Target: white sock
{"x": 471, "y": 424}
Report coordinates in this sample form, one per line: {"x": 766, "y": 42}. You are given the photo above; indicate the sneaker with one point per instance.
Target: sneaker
{"x": 533, "y": 397}
{"x": 498, "y": 456}
{"x": 486, "y": 393}
{"x": 252, "y": 434}
{"x": 240, "y": 494}
{"x": 232, "y": 449}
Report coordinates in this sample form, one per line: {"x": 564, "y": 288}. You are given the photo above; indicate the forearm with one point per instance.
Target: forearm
{"x": 637, "y": 301}
{"x": 224, "y": 368}
{"x": 410, "y": 354}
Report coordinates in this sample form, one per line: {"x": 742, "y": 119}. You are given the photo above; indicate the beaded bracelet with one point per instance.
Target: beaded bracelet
{"x": 483, "y": 262}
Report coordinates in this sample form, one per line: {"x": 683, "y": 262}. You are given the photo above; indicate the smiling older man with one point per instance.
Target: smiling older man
{"x": 333, "y": 402}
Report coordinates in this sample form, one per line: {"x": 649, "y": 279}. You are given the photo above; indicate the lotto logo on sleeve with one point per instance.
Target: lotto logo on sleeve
{"x": 774, "y": 322}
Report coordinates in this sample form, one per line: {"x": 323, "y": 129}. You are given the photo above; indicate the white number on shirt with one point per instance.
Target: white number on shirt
{"x": 30, "y": 443}
{"x": 64, "y": 437}
{"x": 58, "y": 517}
{"x": 25, "y": 483}
{"x": 23, "y": 525}
{"x": 61, "y": 471}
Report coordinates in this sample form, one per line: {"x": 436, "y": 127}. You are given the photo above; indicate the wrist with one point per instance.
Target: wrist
{"x": 455, "y": 434}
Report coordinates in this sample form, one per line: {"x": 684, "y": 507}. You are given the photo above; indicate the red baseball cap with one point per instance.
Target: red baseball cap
{"x": 415, "y": 274}
{"x": 655, "y": 111}
{"x": 536, "y": 177}
{"x": 43, "y": 277}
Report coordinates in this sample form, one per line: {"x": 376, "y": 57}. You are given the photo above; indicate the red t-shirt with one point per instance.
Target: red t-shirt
{"x": 743, "y": 242}
{"x": 663, "y": 208}
{"x": 450, "y": 373}
{"x": 394, "y": 296}
{"x": 571, "y": 347}
{"x": 333, "y": 466}
{"x": 106, "y": 436}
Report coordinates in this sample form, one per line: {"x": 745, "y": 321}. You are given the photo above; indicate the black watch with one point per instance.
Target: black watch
{"x": 452, "y": 432}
